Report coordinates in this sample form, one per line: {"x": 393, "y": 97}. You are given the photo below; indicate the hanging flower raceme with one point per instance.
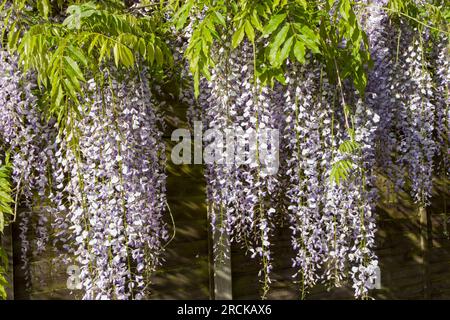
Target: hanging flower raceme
{"x": 442, "y": 101}
{"x": 24, "y": 131}
{"x": 186, "y": 85}
{"x": 241, "y": 180}
{"x": 302, "y": 139}
{"x": 112, "y": 173}
{"x": 400, "y": 88}
{"x": 413, "y": 113}
{"x": 100, "y": 180}
{"x": 362, "y": 198}
{"x": 332, "y": 224}
{"x": 379, "y": 91}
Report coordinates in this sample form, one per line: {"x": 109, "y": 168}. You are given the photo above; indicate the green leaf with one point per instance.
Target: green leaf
{"x": 150, "y": 53}
{"x": 93, "y": 43}
{"x": 206, "y": 73}
{"x": 73, "y": 66}
{"x": 78, "y": 54}
{"x": 273, "y": 23}
{"x": 237, "y": 37}
{"x": 299, "y": 51}
{"x": 13, "y": 37}
{"x": 73, "y": 21}
{"x": 249, "y": 31}
{"x": 340, "y": 170}
{"x": 207, "y": 36}
{"x": 303, "y": 3}
{"x": 3, "y": 294}
{"x": 345, "y": 9}
{"x": 220, "y": 18}
{"x": 182, "y": 19}
{"x": 44, "y": 8}
{"x": 360, "y": 80}
{"x": 309, "y": 37}
{"x": 256, "y": 22}
{"x": 126, "y": 56}
{"x": 349, "y": 146}
{"x": 59, "y": 96}
{"x": 286, "y": 49}
{"x": 5, "y": 197}
{"x": 182, "y": 14}
{"x": 196, "y": 84}
{"x": 142, "y": 47}
{"x": 116, "y": 54}
{"x": 159, "y": 56}
{"x": 281, "y": 78}
{"x": 275, "y": 4}
{"x": 72, "y": 92}
{"x": 104, "y": 50}
{"x": 6, "y": 209}
{"x": 2, "y": 224}
{"x": 277, "y": 42}
{"x": 281, "y": 36}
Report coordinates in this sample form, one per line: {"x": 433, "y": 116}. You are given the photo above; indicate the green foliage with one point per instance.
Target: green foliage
{"x": 6, "y": 212}
{"x": 96, "y": 33}
{"x": 349, "y": 147}
{"x": 282, "y": 31}
{"x": 340, "y": 170}
{"x": 5, "y": 193}
{"x": 289, "y": 30}
{"x": 65, "y": 54}
{"x": 3, "y": 270}
{"x": 100, "y": 34}
{"x": 345, "y": 45}
{"x": 205, "y": 34}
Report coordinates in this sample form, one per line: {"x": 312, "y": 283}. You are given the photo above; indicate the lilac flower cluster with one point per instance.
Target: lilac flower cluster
{"x": 333, "y": 226}
{"x": 401, "y": 88}
{"x": 186, "y": 85}
{"x": 302, "y": 139}
{"x": 379, "y": 89}
{"x": 101, "y": 185}
{"x": 113, "y": 180}
{"x": 415, "y": 117}
{"x": 240, "y": 197}
{"x": 410, "y": 89}
{"x": 442, "y": 100}
{"x": 28, "y": 137}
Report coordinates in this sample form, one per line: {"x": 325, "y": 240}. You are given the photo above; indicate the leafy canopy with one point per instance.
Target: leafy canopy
{"x": 92, "y": 36}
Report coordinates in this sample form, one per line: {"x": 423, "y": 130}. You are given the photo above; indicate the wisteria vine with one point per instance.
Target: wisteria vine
{"x": 356, "y": 90}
